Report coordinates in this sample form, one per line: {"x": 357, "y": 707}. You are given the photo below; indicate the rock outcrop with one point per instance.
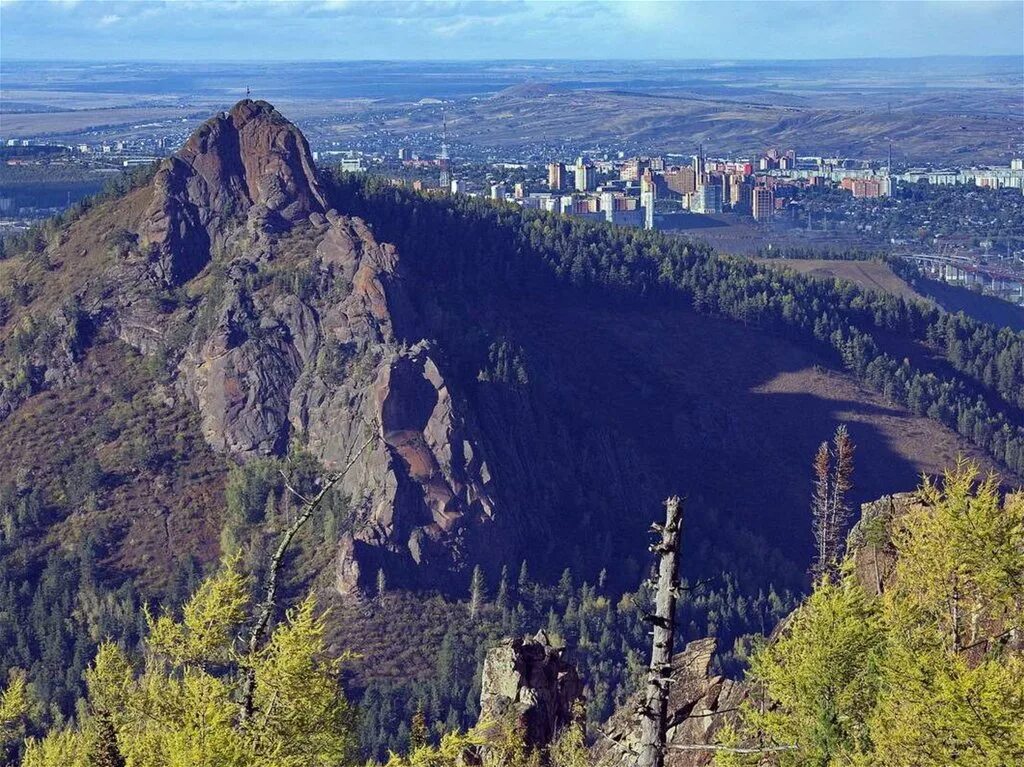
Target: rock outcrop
{"x": 700, "y": 704}
{"x": 530, "y": 680}
{"x": 870, "y": 540}
{"x": 247, "y": 164}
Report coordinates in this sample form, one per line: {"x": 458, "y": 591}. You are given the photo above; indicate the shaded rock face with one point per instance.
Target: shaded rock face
{"x": 700, "y": 704}
{"x": 329, "y": 369}
{"x": 530, "y": 679}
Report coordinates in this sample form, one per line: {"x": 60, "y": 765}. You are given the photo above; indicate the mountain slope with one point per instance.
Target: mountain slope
{"x": 556, "y": 408}
{"x": 514, "y": 388}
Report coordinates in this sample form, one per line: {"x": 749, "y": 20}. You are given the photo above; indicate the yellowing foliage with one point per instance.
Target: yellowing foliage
{"x": 931, "y": 673}
{"x": 182, "y": 709}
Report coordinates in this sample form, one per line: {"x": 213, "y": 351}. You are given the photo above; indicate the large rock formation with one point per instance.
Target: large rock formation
{"x": 534, "y": 427}
{"x": 870, "y": 540}
{"x": 700, "y": 704}
{"x": 530, "y": 680}
{"x": 247, "y": 163}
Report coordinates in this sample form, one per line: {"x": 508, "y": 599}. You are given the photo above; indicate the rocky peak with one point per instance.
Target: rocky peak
{"x": 246, "y": 165}
{"x": 253, "y": 156}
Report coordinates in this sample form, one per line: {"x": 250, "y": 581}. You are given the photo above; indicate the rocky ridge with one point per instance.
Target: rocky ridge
{"x": 537, "y": 426}
{"x": 190, "y": 276}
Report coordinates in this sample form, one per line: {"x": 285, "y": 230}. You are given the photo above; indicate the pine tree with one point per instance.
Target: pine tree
{"x": 523, "y": 582}
{"x": 502, "y": 600}
{"x": 477, "y": 592}
{"x": 565, "y": 587}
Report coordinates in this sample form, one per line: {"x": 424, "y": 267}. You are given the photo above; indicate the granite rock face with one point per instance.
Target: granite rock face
{"x": 870, "y": 540}
{"x": 700, "y": 704}
{"x": 247, "y": 164}
{"x": 332, "y": 369}
{"x": 530, "y": 680}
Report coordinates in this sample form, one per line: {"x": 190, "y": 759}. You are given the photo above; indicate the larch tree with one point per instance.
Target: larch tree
{"x": 928, "y": 674}
{"x": 830, "y": 509}
{"x": 182, "y": 706}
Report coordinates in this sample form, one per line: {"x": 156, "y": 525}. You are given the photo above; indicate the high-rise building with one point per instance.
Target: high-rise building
{"x": 556, "y": 176}
{"x": 443, "y": 162}
{"x": 458, "y": 186}
{"x": 763, "y": 206}
{"x": 866, "y": 187}
{"x": 648, "y": 196}
{"x": 497, "y": 191}
{"x": 698, "y": 165}
{"x": 403, "y": 154}
{"x": 707, "y": 198}
{"x": 740, "y": 193}
{"x": 681, "y": 180}
{"x": 586, "y": 177}
{"x": 520, "y": 190}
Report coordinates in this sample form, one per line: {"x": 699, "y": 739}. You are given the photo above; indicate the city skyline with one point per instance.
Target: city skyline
{"x": 303, "y": 30}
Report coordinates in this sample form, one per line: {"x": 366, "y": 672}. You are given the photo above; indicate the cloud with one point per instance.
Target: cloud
{"x": 109, "y": 20}
{"x": 405, "y": 10}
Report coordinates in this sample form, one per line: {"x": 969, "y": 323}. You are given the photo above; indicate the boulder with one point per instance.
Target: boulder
{"x": 700, "y": 704}
{"x": 530, "y": 679}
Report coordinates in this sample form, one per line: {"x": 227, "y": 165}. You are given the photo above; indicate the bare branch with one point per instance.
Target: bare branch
{"x": 732, "y": 749}
{"x": 270, "y": 584}
{"x": 291, "y": 489}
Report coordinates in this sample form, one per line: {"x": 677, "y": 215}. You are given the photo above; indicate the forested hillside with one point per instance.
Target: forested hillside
{"x": 977, "y": 387}
{"x": 504, "y": 398}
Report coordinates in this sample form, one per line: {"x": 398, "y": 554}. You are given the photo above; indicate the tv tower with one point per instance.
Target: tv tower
{"x": 443, "y": 161}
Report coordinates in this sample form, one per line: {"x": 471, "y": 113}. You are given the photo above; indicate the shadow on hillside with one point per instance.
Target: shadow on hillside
{"x": 953, "y": 298}
{"x": 626, "y": 406}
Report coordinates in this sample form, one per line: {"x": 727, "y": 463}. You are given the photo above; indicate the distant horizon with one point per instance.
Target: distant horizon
{"x": 514, "y": 30}
{"x": 564, "y": 59}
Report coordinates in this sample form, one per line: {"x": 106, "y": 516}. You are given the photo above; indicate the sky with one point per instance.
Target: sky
{"x": 308, "y": 30}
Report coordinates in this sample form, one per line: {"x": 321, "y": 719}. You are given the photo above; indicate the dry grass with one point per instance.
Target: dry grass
{"x": 871, "y": 275}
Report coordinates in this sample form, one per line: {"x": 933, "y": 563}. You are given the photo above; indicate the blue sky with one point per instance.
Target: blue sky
{"x": 300, "y": 30}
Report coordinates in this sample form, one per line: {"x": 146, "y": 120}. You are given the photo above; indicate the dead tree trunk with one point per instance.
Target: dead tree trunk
{"x": 269, "y": 601}
{"x": 655, "y": 707}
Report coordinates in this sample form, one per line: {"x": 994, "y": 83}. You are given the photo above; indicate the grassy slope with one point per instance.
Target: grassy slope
{"x": 160, "y": 498}
{"x": 874, "y": 275}
{"x": 871, "y": 275}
